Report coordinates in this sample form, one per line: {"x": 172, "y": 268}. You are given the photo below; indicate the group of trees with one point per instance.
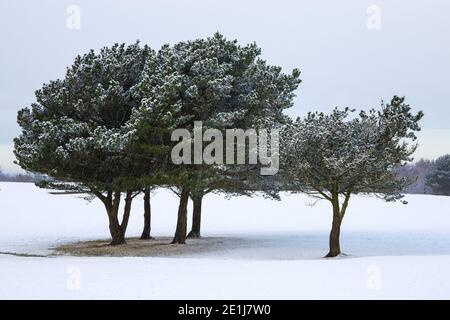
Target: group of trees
{"x": 105, "y": 129}
{"x": 418, "y": 172}
{"x": 429, "y": 176}
{"x": 438, "y": 178}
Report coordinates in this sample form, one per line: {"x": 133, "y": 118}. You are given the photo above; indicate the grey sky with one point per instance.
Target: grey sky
{"x": 343, "y": 62}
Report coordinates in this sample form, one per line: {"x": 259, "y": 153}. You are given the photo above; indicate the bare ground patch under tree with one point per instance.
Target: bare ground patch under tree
{"x": 134, "y": 247}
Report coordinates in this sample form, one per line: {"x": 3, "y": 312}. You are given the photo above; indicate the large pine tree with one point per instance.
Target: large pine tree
{"x": 79, "y": 128}
{"x": 225, "y": 86}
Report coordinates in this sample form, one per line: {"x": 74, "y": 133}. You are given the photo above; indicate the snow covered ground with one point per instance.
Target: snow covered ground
{"x": 274, "y": 252}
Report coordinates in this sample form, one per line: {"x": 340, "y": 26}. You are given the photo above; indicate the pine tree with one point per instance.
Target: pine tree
{"x": 333, "y": 156}
{"x": 78, "y": 130}
{"x": 225, "y": 86}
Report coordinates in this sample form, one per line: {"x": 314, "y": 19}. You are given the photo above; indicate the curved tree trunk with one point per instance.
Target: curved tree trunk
{"x": 196, "y": 216}
{"x": 338, "y": 216}
{"x": 335, "y": 246}
{"x": 112, "y": 208}
{"x": 126, "y": 212}
{"x": 112, "y": 204}
{"x": 147, "y": 216}
{"x": 117, "y": 236}
{"x": 180, "y": 233}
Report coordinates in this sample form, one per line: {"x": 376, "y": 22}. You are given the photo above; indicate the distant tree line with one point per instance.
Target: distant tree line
{"x": 427, "y": 176}
{"x": 19, "y": 177}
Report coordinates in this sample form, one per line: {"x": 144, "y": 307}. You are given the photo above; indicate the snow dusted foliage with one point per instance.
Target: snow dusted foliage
{"x": 106, "y": 126}
{"x": 223, "y": 85}
{"x": 217, "y": 81}
{"x": 79, "y": 129}
{"x": 334, "y": 156}
{"x": 79, "y": 125}
{"x": 357, "y": 154}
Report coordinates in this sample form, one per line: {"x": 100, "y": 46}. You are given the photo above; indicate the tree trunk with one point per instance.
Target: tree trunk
{"x": 338, "y": 216}
{"x": 115, "y": 230}
{"x": 334, "y": 243}
{"x": 147, "y": 216}
{"x": 126, "y": 213}
{"x": 112, "y": 208}
{"x": 196, "y": 216}
{"x": 180, "y": 233}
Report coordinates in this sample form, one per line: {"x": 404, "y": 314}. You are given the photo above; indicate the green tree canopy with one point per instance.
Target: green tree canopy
{"x": 225, "y": 86}
{"x": 79, "y": 128}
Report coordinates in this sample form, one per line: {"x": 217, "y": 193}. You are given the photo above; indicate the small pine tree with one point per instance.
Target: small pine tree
{"x": 333, "y": 157}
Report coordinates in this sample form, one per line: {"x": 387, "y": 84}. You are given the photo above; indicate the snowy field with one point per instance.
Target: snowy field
{"x": 274, "y": 252}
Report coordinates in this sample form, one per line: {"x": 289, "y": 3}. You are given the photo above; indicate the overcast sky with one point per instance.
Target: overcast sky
{"x": 348, "y": 57}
